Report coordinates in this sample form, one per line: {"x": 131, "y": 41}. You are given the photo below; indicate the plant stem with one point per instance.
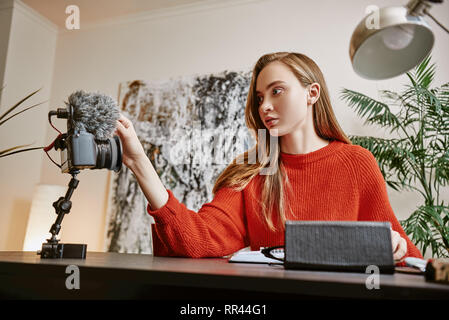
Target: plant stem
{"x": 416, "y": 170}
{"x": 423, "y": 180}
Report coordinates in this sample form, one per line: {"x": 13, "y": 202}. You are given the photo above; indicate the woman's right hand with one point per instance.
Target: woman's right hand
{"x": 132, "y": 148}
{"x": 134, "y": 158}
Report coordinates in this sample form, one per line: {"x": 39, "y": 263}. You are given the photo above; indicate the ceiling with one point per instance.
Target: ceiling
{"x": 94, "y": 11}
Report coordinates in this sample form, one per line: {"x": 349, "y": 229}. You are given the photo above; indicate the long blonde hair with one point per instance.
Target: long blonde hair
{"x": 239, "y": 173}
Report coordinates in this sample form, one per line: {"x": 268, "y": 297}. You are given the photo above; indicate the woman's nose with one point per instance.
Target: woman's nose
{"x": 266, "y": 106}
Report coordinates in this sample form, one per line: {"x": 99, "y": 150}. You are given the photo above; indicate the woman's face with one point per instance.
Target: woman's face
{"x": 281, "y": 96}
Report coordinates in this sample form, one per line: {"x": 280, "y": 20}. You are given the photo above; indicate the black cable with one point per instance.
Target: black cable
{"x": 267, "y": 252}
{"x": 58, "y": 165}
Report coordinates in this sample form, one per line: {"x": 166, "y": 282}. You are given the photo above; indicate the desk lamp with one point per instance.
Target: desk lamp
{"x": 392, "y": 40}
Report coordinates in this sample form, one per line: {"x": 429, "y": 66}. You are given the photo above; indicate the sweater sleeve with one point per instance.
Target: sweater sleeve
{"x": 216, "y": 230}
{"x": 374, "y": 204}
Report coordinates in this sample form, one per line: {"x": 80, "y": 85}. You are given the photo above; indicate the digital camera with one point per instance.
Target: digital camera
{"x": 81, "y": 150}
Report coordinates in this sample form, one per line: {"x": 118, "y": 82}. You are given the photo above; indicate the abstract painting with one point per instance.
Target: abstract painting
{"x": 191, "y": 129}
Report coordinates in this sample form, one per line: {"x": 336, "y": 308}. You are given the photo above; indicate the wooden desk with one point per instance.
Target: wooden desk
{"x": 24, "y": 275}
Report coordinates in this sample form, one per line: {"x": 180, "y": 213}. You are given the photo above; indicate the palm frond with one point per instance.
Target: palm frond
{"x": 425, "y": 72}
{"x": 375, "y": 111}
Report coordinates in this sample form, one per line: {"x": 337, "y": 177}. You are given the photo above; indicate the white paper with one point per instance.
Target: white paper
{"x": 416, "y": 263}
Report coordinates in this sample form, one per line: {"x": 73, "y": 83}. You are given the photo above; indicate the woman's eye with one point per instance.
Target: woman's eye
{"x": 276, "y": 89}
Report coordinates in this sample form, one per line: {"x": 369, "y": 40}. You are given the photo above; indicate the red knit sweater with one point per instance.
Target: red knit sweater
{"x": 337, "y": 182}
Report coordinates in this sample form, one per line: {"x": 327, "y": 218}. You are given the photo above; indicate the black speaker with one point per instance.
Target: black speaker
{"x": 338, "y": 246}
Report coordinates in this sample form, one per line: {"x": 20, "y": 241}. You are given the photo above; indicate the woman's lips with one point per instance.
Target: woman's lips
{"x": 272, "y": 122}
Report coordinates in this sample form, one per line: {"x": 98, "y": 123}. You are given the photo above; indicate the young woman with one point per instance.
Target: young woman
{"x": 319, "y": 174}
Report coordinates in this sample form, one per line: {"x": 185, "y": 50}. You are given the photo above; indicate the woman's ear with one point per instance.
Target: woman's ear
{"x": 313, "y": 93}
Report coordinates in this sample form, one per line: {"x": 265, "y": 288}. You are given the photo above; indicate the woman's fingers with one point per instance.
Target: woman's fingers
{"x": 123, "y": 124}
{"x": 120, "y": 129}
{"x": 124, "y": 121}
{"x": 399, "y": 245}
{"x": 402, "y": 249}
{"x": 394, "y": 240}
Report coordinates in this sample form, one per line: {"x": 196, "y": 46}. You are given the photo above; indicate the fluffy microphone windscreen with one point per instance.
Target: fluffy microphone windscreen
{"x": 95, "y": 113}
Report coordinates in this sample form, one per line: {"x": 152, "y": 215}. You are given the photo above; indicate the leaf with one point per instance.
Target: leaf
{"x": 18, "y": 104}
{"x": 411, "y": 78}
{"x": 19, "y": 151}
{"x": 14, "y": 148}
{"x": 10, "y": 151}
{"x": 425, "y": 72}
{"x": 17, "y": 113}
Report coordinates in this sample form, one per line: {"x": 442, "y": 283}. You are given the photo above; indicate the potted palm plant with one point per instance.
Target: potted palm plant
{"x": 417, "y": 158}
{"x": 3, "y": 119}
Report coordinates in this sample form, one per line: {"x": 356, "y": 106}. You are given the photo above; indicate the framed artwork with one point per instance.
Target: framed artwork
{"x": 191, "y": 129}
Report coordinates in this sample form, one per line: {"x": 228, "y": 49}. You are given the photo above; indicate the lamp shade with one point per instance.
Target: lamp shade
{"x": 399, "y": 43}
{"x": 42, "y": 215}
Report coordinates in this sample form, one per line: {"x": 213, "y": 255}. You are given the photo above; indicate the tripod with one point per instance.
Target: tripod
{"x": 52, "y": 249}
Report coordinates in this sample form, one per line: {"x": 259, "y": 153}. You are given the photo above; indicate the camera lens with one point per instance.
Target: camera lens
{"x": 109, "y": 154}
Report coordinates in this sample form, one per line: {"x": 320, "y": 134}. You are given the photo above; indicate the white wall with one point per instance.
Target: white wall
{"x": 27, "y": 65}
{"x": 5, "y": 28}
{"x": 202, "y": 39}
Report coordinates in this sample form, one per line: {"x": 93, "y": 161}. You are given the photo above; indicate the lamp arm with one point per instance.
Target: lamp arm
{"x": 435, "y": 20}
{"x": 421, "y": 7}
